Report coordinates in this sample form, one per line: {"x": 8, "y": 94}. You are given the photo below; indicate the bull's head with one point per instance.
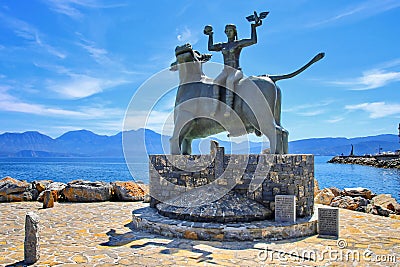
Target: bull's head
{"x": 185, "y": 53}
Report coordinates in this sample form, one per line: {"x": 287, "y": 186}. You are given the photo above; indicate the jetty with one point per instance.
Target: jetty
{"x": 386, "y": 160}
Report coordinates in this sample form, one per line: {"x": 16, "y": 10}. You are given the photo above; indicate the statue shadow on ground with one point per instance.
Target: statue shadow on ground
{"x": 172, "y": 246}
{"x": 18, "y": 264}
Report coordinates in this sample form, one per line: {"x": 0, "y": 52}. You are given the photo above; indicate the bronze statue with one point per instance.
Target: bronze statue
{"x": 257, "y": 109}
{"x": 231, "y": 72}
{"x": 257, "y": 105}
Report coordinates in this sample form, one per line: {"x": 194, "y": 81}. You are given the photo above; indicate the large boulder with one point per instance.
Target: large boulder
{"x": 86, "y": 191}
{"x": 345, "y": 202}
{"x": 336, "y": 191}
{"x": 14, "y": 190}
{"x": 41, "y": 185}
{"x": 371, "y": 209}
{"x": 378, "y": 210}
{"x": 55, "y": 188}
{"x": 324, "y": 197}
{"x": 128, "y": 191}
{"x": 362, "y": 203}
{"x": 386, "y": 201}
{"x": 358, "y": 192}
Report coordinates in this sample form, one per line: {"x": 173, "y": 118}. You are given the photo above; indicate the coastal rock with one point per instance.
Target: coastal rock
{"x": 344, "y": 202}
{"x": 336, "y": 191}
{"x": 86, "y": 191}
{"x": 362, "y": 203}
{"x": 371, "y": 209}
{"x": 10, "y": 185}
{"x": 48, "y": 199}
{"x": 41, "y": 185}
{"x": 358, "y": 192}
{"x": 324, "y": 197}
{"x": 383, "y": 212}
{"x": 378, "y": 210}
{"x": 55, "y": 188}
{"x": 386, "y": 201}
{"x": 14, "y": 190}
{"x": 128, "y": 191}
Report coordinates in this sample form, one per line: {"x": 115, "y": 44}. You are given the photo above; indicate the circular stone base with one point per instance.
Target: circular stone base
{"x": 148, "y": 219}
{"x": 232, "y": 207}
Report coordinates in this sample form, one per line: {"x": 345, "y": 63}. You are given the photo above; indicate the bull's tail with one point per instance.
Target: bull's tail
{"x": 276, "y": 78}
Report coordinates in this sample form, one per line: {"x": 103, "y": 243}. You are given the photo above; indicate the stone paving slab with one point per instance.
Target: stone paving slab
{"x": 101, "y": 234}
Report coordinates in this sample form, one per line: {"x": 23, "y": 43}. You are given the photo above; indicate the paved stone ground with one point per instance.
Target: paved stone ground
{"x": 101, "y": 234}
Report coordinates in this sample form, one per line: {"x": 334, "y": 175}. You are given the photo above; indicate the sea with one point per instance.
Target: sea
{"x": 380, "y": 181}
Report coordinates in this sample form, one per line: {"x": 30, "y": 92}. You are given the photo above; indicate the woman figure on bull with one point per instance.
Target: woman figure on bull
{"x": 231, "y": 72}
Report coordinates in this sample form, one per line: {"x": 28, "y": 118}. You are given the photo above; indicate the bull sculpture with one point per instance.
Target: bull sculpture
{"x": 256, "y": 107}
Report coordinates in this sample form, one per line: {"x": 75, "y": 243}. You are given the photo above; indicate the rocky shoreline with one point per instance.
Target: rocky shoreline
{"x": 376, "y": 161}
{"x": 359, "y": 199}
{"x": 13, "y": 190}
{"x": 48, "y": 192}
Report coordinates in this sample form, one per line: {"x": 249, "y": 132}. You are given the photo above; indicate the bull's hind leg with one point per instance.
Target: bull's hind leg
{"x": 285, "y": 141}
{"x": 282, "y": 140}
{"x": 270, "y": 131}
{"x": 186, "y": 146}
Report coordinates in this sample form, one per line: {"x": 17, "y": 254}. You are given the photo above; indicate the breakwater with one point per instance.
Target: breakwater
{"x": 379, "y": 161}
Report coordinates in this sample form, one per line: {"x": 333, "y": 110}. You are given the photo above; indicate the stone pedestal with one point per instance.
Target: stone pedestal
{"x": 228, "y": 197}
{"x": 257, "y": 177}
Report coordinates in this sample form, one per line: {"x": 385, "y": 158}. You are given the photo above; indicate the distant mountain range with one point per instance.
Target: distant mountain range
{"x": 142, "y": 142}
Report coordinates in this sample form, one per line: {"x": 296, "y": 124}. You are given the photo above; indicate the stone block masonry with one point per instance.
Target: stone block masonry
{"x": 258, "y": 177}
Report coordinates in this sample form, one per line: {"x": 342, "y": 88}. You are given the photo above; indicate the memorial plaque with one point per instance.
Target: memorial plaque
{"x": 285, "y": 208}
{"x": 328, "y": 222}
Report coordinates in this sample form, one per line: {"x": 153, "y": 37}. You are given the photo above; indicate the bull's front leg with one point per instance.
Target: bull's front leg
{"x": 181, "y": 128}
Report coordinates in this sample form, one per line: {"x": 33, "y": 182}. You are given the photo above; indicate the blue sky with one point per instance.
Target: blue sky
{"x": 75, "y": 64}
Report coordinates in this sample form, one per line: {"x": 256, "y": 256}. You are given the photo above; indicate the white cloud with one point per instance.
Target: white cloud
{"x": 49, "y": 48}
{"x": 70, "y": 8}
{"x": 98, "y": 54}
{"x": 185, "y": 35}
{"x": 309, "y": 110}
{"x": 80, "y": 86}
{"x": 376, "y": 109}
{"x": 20, "y": 28}
{"x": 11, "y": 103}
{"x": 311, "y": 113}
{"x": 64, "y": 7}
{"x": 364, "y": 10}
{"x": 335, "y": 120}
{"x": 371, "y": 80}
{"x": 29, "y": 33}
